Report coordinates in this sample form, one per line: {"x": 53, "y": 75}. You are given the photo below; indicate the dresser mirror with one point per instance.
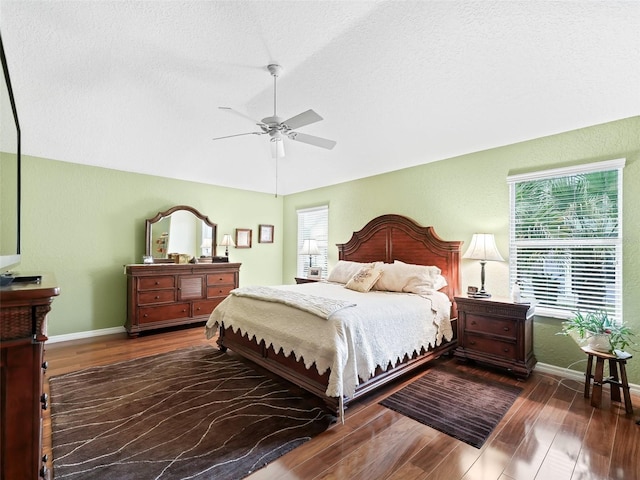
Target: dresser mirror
{"x": 182, "y": 230}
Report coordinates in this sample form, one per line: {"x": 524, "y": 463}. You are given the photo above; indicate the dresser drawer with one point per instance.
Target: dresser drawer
{"x": 504, "y": 350}
{"x": 219, "y": 290}
{"x": 205, "y": 307}
{"x": 494, "y": 326}
{"x": 161, "y": 281}
{"x": 156, "y": 296}
{"x": 221, "y": 278}
{"x": 167, "y": 312}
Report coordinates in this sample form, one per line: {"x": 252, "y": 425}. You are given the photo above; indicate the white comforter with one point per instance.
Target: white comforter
{"x": 382, "y": 327}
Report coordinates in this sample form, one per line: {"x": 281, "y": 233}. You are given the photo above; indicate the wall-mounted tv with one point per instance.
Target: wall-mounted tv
{"x": 10, "y": 172}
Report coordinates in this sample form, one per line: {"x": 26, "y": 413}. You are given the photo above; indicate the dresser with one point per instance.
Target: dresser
{"x": 496, "y": 332}
{"x": 23, "y": 330}
{"x": 167, "y": 294}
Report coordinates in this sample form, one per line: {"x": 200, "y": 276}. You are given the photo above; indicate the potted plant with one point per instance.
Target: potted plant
{"x": 598, "y": 331}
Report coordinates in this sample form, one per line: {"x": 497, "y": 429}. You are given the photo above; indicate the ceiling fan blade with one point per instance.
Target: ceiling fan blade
{"x": 312, "y": 140}
{"x": 246, "y": 117}
{"x": 238, "y": 135}
{"x": 302, "y": 119}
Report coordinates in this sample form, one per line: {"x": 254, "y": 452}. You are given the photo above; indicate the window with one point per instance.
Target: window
{"x": 566, "y": 238}
{"x": 313, "y": 224}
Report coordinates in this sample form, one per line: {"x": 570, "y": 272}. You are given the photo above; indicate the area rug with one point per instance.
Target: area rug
{"x": 462, "y": 405}
{"x": 195, "y": 413}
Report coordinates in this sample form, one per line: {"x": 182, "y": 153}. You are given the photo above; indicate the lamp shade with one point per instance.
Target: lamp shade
{"x": 227, "y": 241}
{"x": 309, "y": 247}
{"x": 483, "y": 247}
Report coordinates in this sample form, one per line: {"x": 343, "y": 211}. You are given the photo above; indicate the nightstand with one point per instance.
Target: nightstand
{"x": 306, "y": 280}
{"x": 496, "y": 332}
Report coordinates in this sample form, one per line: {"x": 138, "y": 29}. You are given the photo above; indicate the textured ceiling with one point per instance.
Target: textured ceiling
{"x": 135, "y": 86}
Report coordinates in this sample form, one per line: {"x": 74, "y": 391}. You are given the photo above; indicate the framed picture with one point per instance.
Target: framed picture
{"x": 266, "y": 234}
{"x": 315, "y": 273}
{"x": 243, "y": 238}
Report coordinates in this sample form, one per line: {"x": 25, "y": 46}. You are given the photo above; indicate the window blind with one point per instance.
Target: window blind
{"x": 313, "y": 224}
{"x": 566, "y": 238}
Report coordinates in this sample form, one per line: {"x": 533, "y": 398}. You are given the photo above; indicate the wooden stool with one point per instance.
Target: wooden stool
{"x": 615, "y": 380}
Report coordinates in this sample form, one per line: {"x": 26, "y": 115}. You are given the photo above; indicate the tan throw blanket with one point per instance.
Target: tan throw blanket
{"x": 320, "y": 306}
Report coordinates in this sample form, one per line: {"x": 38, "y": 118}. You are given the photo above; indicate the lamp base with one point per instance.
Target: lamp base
{"x": 481, "y": 295}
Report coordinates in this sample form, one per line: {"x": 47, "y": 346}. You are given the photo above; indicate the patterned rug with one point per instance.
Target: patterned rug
{"x": 461, "y": 405}
{"x": 195, "y": 413}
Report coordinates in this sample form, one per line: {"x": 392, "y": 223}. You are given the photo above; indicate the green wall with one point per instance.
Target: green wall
{"x": 85, "y": 223}
{"x": 469, "y": 194}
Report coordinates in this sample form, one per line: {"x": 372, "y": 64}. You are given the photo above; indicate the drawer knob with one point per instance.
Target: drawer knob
{"x": 43, "y": 472}
{"x": 505, "y": 350}
{"x": 145, "y": 315}
{"x": 45, "y": 365}
{"x": 45, "y": 458}
{"x": 472, "y": 342}
{"x": 157, "y": 283}
{"x": 157, "y": 297}
{"x": 473, "y": 322}
{"x": 44, "y": 399}
{"x": 506, "y": 329}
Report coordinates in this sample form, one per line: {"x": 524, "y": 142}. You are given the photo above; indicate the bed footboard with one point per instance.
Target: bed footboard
{"x": 309, "y": 379}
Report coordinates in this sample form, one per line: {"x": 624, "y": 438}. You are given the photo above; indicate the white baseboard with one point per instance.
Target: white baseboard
{"x": 574, "y": 374}
{"x": 88, "y": 334}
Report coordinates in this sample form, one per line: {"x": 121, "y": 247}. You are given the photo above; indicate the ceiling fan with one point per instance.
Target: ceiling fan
{"x": 277, "y": 128}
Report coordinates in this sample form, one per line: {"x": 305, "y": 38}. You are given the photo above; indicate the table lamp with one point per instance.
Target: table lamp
{"x": 483, "y": 248}
{"x": 226, "y": 243}
{"x": 310, "y": 247}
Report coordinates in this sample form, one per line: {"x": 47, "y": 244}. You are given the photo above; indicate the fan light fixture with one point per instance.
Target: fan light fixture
{"x": 226, "y": 243}
{"x": 483, "y": 248}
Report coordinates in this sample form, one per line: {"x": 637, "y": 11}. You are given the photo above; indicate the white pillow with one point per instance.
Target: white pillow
{"x": 393, "y": 278}
{"x": 365, "y": 278}
{"x": 344, "y": 270}
{"x": 405, "y": 277}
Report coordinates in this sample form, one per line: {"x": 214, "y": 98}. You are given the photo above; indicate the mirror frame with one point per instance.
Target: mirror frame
{"x": 148, "y": 224}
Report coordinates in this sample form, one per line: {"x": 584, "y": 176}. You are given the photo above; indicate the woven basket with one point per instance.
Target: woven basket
{"x": 15, "y": 322}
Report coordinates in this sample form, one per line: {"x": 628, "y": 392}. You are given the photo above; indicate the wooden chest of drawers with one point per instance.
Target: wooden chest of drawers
{"x": 164, "y": 295}
{"x": 23, "y": 331}
{"x": 496, "y": 332}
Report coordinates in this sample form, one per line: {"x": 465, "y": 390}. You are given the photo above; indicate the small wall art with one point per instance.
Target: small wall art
{"x": 243, "y": 238}
{"x": 266, "y": 234}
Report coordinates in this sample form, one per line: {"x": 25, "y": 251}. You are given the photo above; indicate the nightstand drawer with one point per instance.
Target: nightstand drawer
{"x": 504, "y": 350}
{"x": 492, "y": 326}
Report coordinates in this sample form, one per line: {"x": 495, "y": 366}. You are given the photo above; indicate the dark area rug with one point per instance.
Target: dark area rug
{"x": 462, "y": 405}
{"x": 195, "y": 413}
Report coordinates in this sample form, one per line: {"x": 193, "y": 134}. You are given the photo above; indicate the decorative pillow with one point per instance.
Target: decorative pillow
{"x": 344, "y": 270}
{"x": 365, "y": 278}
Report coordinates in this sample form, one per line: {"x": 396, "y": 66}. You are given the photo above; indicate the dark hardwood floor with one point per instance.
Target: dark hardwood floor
{"x": 550, "y": 433}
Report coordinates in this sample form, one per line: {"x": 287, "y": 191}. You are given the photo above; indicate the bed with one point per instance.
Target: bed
{"x": 285, "y": 340}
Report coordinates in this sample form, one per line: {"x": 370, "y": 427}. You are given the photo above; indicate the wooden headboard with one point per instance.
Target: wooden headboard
{"x": 393, "y": 237}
